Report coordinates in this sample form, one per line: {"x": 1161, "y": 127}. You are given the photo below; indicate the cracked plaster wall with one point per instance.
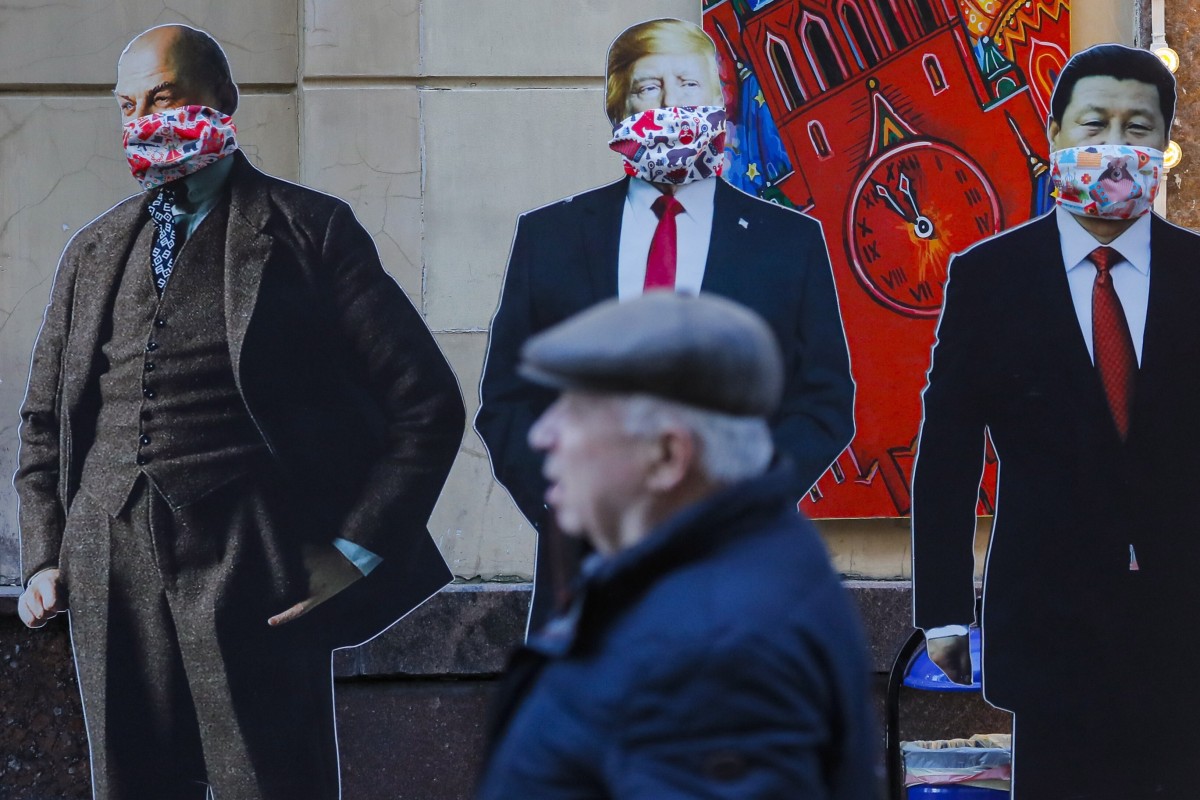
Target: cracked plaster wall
{"x": 439, "y": 121}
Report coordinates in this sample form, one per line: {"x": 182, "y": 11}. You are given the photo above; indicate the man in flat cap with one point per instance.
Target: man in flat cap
{"x": 710, "y": 650}
{"x": 673, "y": 223}
{"x": 235, "y": 430}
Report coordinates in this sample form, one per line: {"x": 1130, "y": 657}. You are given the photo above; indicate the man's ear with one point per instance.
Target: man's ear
{"x": 675, "y": 455}
{"x": 1052, "y": 131}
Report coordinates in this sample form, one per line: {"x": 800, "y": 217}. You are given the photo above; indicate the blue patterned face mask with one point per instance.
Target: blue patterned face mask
{"x": 679, "y": 144}
{"x": 1110, "y": 181}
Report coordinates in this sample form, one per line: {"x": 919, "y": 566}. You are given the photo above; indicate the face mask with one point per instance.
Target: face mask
{"x": 169, "y": 145}
{"x": 1110, "y": 181}
{"x": 672, "y": 145}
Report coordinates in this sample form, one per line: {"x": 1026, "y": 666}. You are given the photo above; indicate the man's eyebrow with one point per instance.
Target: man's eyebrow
{"x": 152, "y": 92}
{"x": 1094, "y": 108}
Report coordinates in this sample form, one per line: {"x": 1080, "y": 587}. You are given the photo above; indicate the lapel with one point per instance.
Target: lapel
{"x": 247, "y": 251}
{"x": 602, "y": 213}
{"x": 101, "y": 263}
{"x": 1169, "y": 319}
{"x": 1050, "y": 293}
{"x": 730, "y": 244}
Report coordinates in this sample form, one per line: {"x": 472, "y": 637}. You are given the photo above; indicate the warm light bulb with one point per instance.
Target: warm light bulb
{"x": 1169, "y": 57}
{"x": 1172, "y": 155}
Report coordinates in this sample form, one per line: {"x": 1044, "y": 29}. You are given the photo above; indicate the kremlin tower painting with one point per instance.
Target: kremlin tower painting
{"x": 911, "y": 129}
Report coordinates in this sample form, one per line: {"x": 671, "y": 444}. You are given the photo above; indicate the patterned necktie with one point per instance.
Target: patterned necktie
{"x": 162, "y": 255}
{"x": 660, "y": 264}
{"x": 1113, "y": 346}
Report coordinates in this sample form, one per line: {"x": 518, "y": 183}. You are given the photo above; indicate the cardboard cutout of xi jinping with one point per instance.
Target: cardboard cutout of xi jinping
{"x": 1072, "y": 342}
{"x": 235, "y": 430}
{"x": 669, "y": 224}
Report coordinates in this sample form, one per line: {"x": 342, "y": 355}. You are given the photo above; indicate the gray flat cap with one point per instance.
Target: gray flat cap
{"x": 706, "y": 351}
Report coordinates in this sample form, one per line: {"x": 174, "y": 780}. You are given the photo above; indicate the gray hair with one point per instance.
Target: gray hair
{"x": 731, "y": 448}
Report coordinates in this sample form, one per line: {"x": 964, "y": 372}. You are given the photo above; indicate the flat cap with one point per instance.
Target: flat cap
{"x": 707, "y": 351}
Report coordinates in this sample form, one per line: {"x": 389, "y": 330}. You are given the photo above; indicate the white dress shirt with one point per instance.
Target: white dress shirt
{"x": 1130, "y": 275}
{"x": 693, "y": 227}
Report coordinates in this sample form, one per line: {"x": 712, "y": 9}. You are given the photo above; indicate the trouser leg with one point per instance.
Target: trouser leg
{"x": 142, "y": 727}
{"x": 264, "y": 696}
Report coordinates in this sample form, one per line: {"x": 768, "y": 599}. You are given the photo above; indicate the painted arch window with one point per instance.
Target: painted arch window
{"x": 856, "y": 31}
{"x": 784, "y": 69}
{"x": 816, "y": 134}
{"x": 934, "y": 74}
{"x": 822, "y": 54}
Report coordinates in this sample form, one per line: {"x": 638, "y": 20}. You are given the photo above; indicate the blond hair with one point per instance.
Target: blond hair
{"x": 657, "y": 36}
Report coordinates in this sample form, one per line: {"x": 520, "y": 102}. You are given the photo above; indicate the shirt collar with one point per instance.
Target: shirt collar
{"x": 203, "y": 186}
{"x": 1133, "y": 244}
{"x": 695, "y": 197}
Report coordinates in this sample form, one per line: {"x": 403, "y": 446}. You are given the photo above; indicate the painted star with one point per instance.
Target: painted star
{"x": 759, "y": 97}
{"x": 752, "y": 172}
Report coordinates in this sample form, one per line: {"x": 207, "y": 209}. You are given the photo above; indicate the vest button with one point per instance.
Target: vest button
{"x": 148, "y": 393}
{"x": 152, "y": 347}
{"x": 160, "y": 322}
{"x": 141, "y": 461}
{"x": 150, "y": 366}
{"x": 144, "y": 439}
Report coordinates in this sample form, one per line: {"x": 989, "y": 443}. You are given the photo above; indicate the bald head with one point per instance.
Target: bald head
{"x": 172, "y": 66}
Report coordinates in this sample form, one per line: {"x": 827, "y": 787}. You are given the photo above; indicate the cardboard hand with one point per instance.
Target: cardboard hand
{"x": 329, "y": 572}
{"x": 43, "y": 599}
{"x": 952, "y": 655}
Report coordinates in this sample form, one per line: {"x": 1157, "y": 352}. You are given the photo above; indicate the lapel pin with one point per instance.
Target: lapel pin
{"x": 743, "y": 223}
{"x": 1133, "y": 565}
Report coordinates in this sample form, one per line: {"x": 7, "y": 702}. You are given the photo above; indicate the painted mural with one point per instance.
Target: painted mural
{"x": 911, "y": 129}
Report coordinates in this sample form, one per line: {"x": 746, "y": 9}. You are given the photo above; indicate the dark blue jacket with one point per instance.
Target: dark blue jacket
{"x": 718, "y": 658}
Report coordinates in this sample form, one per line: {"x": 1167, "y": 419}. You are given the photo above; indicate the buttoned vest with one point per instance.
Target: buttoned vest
{"x": 169, "y": 406}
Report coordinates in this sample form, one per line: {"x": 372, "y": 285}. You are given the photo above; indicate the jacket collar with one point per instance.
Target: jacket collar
{"x": 609, "y": 585}
{"x": 247, "y": 251}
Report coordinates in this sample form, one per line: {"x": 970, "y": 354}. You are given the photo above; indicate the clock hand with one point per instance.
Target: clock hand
{"x": 922, "y": 225}
{"x": 883, "y": 192}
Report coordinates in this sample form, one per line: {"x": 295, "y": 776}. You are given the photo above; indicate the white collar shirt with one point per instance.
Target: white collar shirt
{"x": 693, "y": 228}
{"x": 1130, "y": 275}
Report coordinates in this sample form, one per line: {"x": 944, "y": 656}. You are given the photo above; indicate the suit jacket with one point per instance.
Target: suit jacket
{"x": 342, "y": 379}
{"x": 1061, "y": 598}
{"x": 769, "y": 258}
{"x": 719, "y": 657}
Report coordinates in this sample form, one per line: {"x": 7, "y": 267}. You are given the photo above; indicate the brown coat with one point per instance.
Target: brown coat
{"x": 340, "y": 374}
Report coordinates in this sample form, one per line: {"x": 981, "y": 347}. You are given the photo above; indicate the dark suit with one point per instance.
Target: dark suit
{"x": 361, "y": 418}
{"x": 773, "y": 260}
{"x": 1071, "y": 632}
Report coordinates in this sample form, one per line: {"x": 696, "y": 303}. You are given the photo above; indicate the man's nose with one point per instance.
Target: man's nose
{"x": 671, "y": 96}
{"x": 541, "y": 435}
{"x": 1114, "y": 134}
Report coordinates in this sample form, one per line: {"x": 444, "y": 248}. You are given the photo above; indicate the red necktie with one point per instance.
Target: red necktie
{"x": 1113, "y": 346}
{"x": 660, "y": 264}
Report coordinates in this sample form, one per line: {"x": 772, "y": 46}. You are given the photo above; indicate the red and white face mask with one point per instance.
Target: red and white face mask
{"x": 169, "y": 145}
{"x": 675, "y": 145}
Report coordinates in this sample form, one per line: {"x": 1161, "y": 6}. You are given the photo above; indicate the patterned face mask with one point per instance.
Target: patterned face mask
{"x": 169, "y": 145}
{"x": 1110, "y": 181}
{"x": 672, "y": 145}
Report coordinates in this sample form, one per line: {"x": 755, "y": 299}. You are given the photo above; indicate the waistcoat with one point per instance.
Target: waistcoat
{"x": 169, "y": 406}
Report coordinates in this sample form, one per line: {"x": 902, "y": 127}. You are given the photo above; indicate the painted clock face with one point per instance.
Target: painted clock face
{"x": 914, "y": 206}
